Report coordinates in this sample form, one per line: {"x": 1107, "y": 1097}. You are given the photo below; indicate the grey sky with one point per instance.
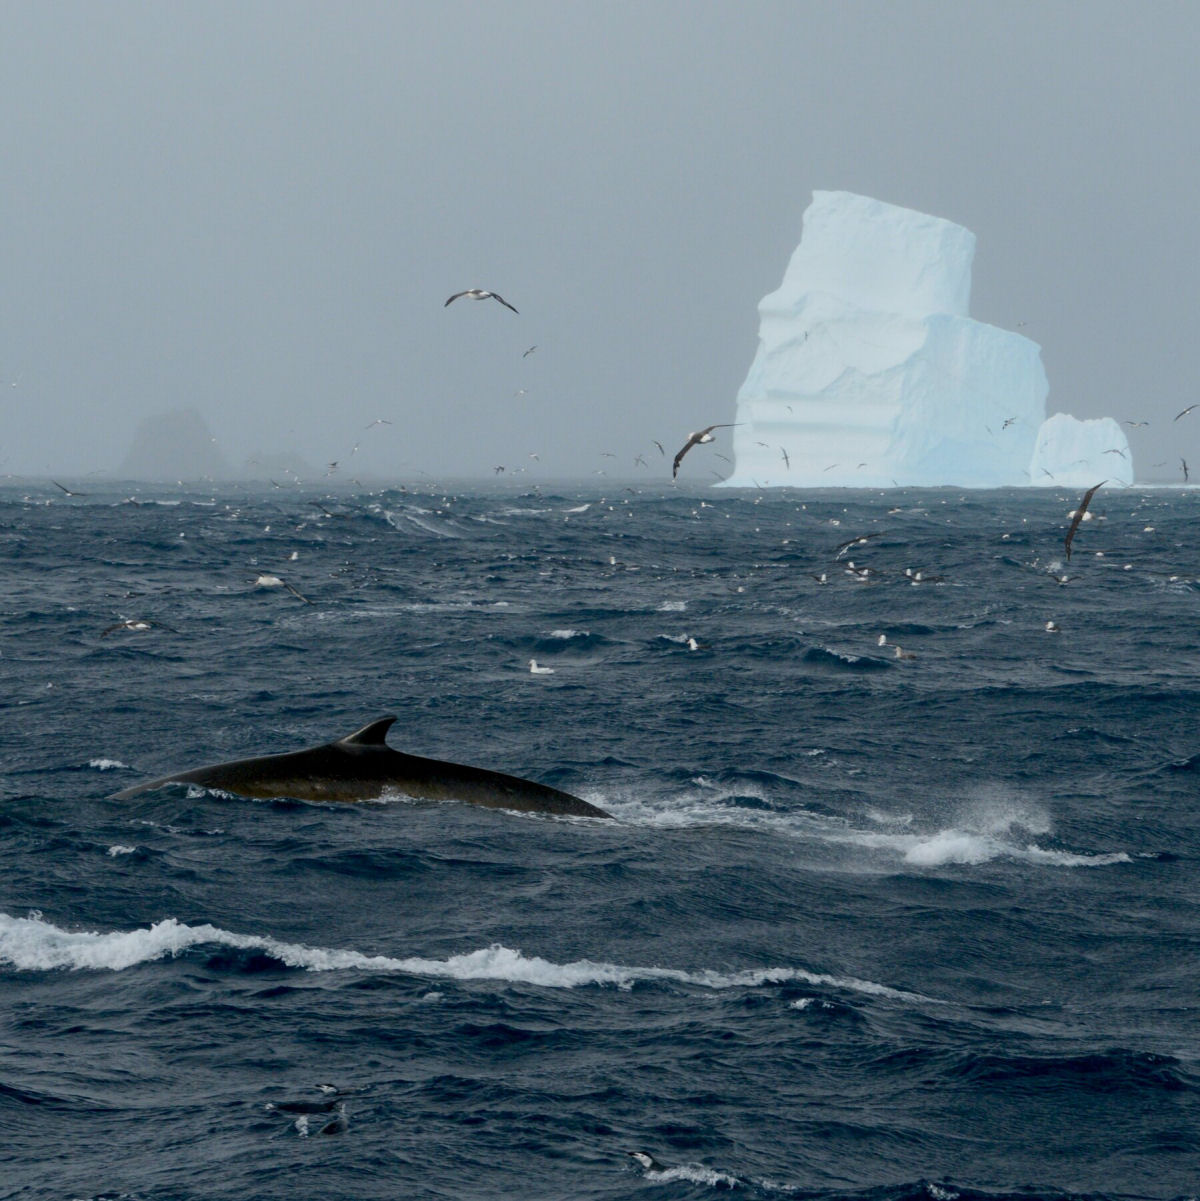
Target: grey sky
{"x": 258, "y": 209}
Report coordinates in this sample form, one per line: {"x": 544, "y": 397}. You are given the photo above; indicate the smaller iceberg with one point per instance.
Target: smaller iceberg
{"x": 1078, "y": 454}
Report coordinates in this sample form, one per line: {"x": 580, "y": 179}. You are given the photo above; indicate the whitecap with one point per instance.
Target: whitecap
{"x": 118, "y": 849}
{"x": 106, "y": 764}
{"x": 32, "y": 944}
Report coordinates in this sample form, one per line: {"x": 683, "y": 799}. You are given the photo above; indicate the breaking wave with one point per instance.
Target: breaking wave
{"x": 32, "y": 944}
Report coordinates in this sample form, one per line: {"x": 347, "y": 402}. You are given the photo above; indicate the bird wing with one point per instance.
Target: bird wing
{"x": 1185, "y": 412}
{"x": 683, "y": 451}
{"x": 454, "y": 297}
{"x": 497, "y": 296}
{"x": 1079, "y": 512}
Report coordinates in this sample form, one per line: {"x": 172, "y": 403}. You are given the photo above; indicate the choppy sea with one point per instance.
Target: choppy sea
{"x": 869, "y": 925}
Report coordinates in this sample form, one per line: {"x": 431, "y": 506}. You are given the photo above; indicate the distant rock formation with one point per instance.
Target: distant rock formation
{"x": 174, "y": 446}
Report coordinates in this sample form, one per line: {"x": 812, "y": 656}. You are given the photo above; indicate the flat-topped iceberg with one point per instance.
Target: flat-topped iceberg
{"x": 1079, "y": 454}
{"x": 871, "y": 373}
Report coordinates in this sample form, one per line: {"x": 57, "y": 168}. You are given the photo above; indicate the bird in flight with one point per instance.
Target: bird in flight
{"x": 696, "y": 438}
{"x": 480, "y": 294}
{"x": 1185, "y": 412}
{"x": 1079, "y": 512}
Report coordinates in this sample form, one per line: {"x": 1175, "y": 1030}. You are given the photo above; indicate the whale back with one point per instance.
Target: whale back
{"x": 362, "y": 767}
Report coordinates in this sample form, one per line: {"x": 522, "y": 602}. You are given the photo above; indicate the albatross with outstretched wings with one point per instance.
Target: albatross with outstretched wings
{"x": 695, "y": 439}
{"x": 1079, "y": 512}
{"x": 480, "y": 294}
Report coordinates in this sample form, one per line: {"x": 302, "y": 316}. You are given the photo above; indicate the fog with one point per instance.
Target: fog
{"x": 256, "y": 211}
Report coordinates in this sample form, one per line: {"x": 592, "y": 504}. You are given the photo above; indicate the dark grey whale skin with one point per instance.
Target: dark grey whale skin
{"x": 362, "y": 767}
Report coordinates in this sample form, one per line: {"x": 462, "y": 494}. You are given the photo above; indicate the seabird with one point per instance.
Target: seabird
{"x": 845, "y": 546}
{"x": 529, "y": 351}
{"x": 1007, "y": 422}
{"x": 1115, "y": 451}
{"x": 1183, "y": 464}
{"x": 480, "y": 294}
{"x": 136, "y": 625}
{"x": 535, "y": 670}
{"x": 786, "y": 460}
{"x": 1185, "y": 412}
{"x": 67, "y": 490}
{"x": 273, "y": 581}
{"x": 1052, "y": 628}
{"x": 1079, "y": 512}
{"x": 660, "y": 447}
{"x": 695, "y": 439}
{"x": 1128, "y": 422}
{"x": 646, "y": 1161}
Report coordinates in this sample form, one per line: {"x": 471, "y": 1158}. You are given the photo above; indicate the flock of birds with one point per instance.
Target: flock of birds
{"x": 699, "y": 437}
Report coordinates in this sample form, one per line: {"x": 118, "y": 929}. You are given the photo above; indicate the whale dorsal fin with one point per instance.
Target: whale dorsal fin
{"x": 373, "y": 734}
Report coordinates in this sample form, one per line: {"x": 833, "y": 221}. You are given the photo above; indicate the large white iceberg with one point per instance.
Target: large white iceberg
{"x": 870, "y": 373}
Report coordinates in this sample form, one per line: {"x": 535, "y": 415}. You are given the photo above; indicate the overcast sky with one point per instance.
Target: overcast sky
{"x": 257, "y": 209}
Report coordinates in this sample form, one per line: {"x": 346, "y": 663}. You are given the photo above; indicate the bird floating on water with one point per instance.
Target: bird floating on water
{"x": 480, "y": 294}
{"x": 136, "y": 625}
{"x": 536, "y": 670}
{"x": 266, "y": 580}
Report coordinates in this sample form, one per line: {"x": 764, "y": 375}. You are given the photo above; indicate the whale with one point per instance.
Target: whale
{"x": 362, "y": 767}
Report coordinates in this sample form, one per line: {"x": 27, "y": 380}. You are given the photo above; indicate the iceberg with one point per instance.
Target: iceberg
{"x": 1078, "y": 454}
{"x": 870, "y": 371}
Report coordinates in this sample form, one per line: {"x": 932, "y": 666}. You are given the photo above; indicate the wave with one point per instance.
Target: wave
{"x": 822, "y": 658}
{"x": 32, "y": 944}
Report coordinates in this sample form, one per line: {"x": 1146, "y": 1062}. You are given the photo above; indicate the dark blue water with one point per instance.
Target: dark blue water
{"x": 866, "y": 926}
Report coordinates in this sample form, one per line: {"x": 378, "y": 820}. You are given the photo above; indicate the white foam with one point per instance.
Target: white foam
{"x": 106, "y": 764}
{"x": 32, "y": 944}
{"x": 118, "y": 849}
{"x": 696, "y": 1174}
{"x": 990, "y": 827}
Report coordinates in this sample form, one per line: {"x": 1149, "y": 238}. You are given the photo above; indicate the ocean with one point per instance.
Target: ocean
{"x": 869, "y": 925}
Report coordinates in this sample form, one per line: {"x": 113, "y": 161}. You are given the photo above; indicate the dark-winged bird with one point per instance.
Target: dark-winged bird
{"x": 480, "y": 294}
{"x": 1079, "y": 512}
{"x": 694, "y": 439}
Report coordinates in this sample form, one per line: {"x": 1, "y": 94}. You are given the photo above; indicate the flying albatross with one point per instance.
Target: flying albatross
{"x": 1079, "y": 512}
{"x": 480, "y": 294}
{"x": 694, "y": 439}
